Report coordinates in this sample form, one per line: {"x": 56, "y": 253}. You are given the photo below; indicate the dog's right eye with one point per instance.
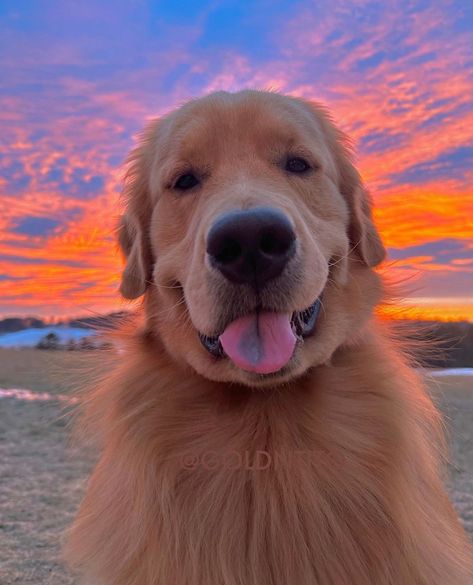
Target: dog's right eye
{"x": 185, "y": 182}
{"x": 297, "y": 165}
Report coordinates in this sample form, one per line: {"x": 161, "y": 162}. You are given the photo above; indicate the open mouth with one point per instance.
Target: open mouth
{"x": 263, "y": 342}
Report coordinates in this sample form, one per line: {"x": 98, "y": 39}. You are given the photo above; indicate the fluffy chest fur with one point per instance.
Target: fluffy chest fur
{"x": 331, "y": 480}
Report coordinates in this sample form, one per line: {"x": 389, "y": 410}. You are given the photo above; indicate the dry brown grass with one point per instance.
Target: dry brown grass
{"x": 56, "y": 372}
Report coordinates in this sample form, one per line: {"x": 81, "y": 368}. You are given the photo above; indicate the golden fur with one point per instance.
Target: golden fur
{"x": 328, "y": 472}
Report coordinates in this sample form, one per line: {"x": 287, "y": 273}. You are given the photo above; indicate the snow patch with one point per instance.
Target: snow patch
{"x": 451, "y": 372}
{"x": 30, "y": 337}
{"x": 29, "y": 396}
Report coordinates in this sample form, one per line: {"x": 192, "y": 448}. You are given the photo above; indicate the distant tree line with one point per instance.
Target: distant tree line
{"x": 52, "y": 341}
{"x": 12, "y": 324}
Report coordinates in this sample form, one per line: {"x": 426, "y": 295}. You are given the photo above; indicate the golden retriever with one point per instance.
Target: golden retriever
{"x": 259, "y": 428}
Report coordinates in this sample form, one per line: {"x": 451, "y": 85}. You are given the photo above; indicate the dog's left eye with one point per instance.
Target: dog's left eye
{"x": 297, "y": 165}
{"x": 185, "y": 182}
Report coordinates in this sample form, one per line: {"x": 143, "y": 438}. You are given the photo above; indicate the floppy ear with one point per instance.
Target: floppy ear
{"x": 365, "y": 240}
{"x": 135, "y": 275}
{"x": 133, "y": 227}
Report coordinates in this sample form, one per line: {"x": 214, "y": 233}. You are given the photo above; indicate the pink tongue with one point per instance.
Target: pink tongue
{"x": 260, "y": 342}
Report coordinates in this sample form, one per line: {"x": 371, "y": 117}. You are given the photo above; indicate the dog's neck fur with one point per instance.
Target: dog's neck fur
{"x": 313, "y": 483}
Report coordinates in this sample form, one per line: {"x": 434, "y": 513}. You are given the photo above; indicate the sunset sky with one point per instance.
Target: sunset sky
{"x": 78, "y": 79}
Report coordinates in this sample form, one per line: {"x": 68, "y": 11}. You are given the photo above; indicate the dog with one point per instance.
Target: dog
{"x": 259, "y": 425}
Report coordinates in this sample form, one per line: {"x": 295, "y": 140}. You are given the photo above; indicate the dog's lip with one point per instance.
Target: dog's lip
{"x": 302, "y": 323}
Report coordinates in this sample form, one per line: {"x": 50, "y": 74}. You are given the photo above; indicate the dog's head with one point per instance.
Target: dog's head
{"x": 249, "y": 232}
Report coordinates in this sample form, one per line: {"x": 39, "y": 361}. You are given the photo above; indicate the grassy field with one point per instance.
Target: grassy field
{"x": 55, "y": 372}
{"x": 43, "y": 475}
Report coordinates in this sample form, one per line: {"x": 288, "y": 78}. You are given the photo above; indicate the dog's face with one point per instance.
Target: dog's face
{"x": 250, "y": 234}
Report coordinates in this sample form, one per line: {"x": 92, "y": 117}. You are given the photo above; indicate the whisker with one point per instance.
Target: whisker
{"x": 157, "y": 285}
{"x": 345, "y": 256}
{"x": 167, "y": 310}
{"x": 323, "y": 307}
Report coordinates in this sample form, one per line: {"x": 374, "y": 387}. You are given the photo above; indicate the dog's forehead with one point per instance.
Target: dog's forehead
{"x": 256, "y": 117}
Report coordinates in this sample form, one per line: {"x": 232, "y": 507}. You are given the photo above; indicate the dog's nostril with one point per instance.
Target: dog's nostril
{"x": 272, "y": 245}
{"x": 230, "y": 251}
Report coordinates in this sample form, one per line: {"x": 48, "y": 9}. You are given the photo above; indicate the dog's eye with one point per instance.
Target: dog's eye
{"x": 185, "y": 182}
{"x": 297, "y": 165}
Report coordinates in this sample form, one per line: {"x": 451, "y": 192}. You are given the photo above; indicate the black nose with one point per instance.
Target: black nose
{"x": 251, "y": 246}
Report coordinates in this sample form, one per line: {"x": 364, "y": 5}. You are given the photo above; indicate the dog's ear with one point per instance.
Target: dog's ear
{"x": 133, "y": 227}
{"x": 365, "y": 240}
{"x": 133, "y": 243}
